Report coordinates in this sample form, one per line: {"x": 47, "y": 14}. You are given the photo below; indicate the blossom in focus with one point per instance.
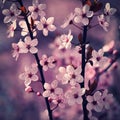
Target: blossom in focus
{"x": 46, "y": 25}
{"x": 11, "y": 29}
{"x": 12, "y": 14}
{"x": 94, "y": 102}
{"x": 47, "y": 62}
{"x": 52, "y": 90}
{"x": 29, "y": 74}
{"x": 66, "y": 40}
{"x": 70, "y": 75}
{"x": 74, "y": 95}
{"x": 30, "y": 45}
{"x": 68, "y": 20}
{"x": 103, "y": 22}
{"x": 98, "y": 58}
{"x": 83, "y": 15}
{"x": 37, "y": 9}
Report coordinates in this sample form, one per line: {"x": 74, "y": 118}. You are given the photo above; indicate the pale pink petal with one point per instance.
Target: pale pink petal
{"x": 51, "y": 27}
{"x": 50, "y": 20}
{"x": 33, "y": 50}
{"x": 45, "y": 32}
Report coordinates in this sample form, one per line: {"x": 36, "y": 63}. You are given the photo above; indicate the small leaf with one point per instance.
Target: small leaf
{"x": 23, "y": 9}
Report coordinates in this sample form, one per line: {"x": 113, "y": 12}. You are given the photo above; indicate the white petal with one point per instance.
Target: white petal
{"x": 85, "y": 21}
{"x": 27, "y": 82}
{"x": 7, "y": 19}
{"x": 39, "y": 26}
{"x": 86, "y": 8}
{"x": 33, "y": 50}
{"x": 34, "y": 42}
{"x": 34, "y": 78}
{"x": 6, "y": 12}
{"x": 51, "y": 28}
{"x": 47, "y": 86}
{"x": 89, "y": 14}
{"x": 46, "y": 93}
{"x": 77, "y": 19}
{"x": 45, "y": 32}
{"x": 50, "y": 20}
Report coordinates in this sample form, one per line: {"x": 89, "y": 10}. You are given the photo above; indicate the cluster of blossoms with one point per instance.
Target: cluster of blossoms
{"x": 70, "y": 85}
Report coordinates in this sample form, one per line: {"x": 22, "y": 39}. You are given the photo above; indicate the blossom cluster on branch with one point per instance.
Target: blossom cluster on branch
{"x": 77, "y": 67}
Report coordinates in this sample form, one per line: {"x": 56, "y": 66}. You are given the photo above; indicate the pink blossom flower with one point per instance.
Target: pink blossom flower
{"x": 68, "y": 20}
{"x": 107, "y": 99}
{"x": 11, "y": 29}
{"x": 71, "y": 75}
{"x": 29, "y": 74}
{"x": 98, "y": 58}
{"x": 103, "y": 22}
{"x": 66, "y": 40}
{"x": 37, "y": 9}
{"x": 60, "y": 101}
{"x": 12, "y": 14}
{"x": 94, "y": 102}
{"x": 30, "y": 45}
{"x": 52, "y": 90}
{"x": 83, "y": 15}
{"x": 47, "y": 62}
{"x": 46, "y": 25}
{"x": 74, "y": 95}
{"x": 18, "y": 48}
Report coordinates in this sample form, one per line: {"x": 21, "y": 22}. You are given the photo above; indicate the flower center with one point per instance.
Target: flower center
{"x": 28, "y": 47}
{"x": 52, "y": 90}
{"x": 83, "y": 15}
{"x": 36, "y": 9}
{"x": 94, "y": 103}
{"x": 76, "y": 96}
{"x": 98, "y": 58}
{"x": 30, "y": 75}
{"x": 45, "y": 25}
{"x": 12, "y": 14}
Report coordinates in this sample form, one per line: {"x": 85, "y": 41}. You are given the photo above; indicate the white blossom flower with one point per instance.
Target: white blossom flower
{"x": 29, "y": 74}
{"x": 46, "y": 25}
{"x": 74, "y": 95}
{"x": 103, "y": 22}
{"x": 47, "y": 62}
{"x": 66, "y": 40}
{"x": 94, "y": 102}
{"x": 52, "y": 90}
{"x": 83, "y": 15}
{"x": 30, "y": 45}
{"x": 37, "y": 9}
{"x": 98, "y": 58}
{"x": 18, "y": 48}
{"x": 12, "y": 14}
{"x": 68, "y": 20}
{"x": 11, "y": 29}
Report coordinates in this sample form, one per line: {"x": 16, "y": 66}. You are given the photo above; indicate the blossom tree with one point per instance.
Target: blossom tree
{"x": 77, "y": 67}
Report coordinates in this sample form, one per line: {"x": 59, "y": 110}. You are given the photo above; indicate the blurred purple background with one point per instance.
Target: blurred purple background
{"x": 15, "y": 104}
